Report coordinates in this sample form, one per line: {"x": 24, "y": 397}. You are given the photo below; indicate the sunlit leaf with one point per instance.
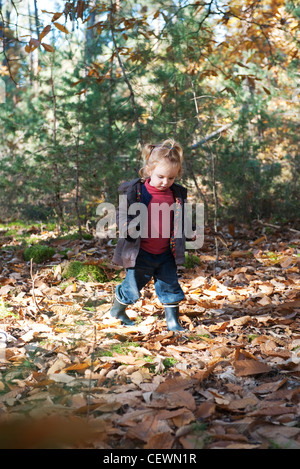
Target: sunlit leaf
{"x": 56, "y": 16}
{"x": 61, "y": 27}
{"x": 47, "y": 47}
{"x": 45, "y": 31}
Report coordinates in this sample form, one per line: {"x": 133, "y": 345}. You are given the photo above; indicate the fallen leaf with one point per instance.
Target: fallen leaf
{"x": 250, "y": 367}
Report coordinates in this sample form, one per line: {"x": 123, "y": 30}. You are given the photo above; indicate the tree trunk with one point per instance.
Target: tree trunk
{"x": 58, "y": 201}
{"x": 132, "y": 96}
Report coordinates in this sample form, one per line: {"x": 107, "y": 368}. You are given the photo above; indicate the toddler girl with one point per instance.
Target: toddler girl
{"x": 154, "y": 250}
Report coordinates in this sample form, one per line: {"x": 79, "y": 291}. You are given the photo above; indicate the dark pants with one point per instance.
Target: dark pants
{"x": 162, "y": 268}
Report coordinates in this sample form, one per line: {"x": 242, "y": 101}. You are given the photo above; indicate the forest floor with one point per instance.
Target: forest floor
{"x": 71, "y": 377}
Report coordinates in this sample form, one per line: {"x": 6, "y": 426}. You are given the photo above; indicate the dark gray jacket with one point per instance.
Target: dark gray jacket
{"x": 128, "y": 248}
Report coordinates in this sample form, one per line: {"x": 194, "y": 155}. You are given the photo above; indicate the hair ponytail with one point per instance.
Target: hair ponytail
{"x": 168, "y": 150}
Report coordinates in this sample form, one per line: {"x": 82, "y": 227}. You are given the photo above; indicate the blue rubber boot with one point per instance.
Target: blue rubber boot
{"x": 172, "y": 316}
{"x": 118, "y": 312}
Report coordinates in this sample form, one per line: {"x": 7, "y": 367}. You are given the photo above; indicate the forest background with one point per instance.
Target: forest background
{"x": 85, "y": 84}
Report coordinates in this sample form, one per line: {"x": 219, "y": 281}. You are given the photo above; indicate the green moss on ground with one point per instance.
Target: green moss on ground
{"x": 191, "y": 261}
{"x": 39, "y": 253}
{"x": 84, "y": 272}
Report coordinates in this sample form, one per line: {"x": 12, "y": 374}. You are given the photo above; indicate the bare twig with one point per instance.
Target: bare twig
{"x": 91, "y": 373}
{"x": 213, "y": 173}
{"x": 33, "y": 294}
{"x": 210, "y": 136}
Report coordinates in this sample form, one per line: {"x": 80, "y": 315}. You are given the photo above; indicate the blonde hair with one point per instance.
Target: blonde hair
{"x": 169, "y": 150}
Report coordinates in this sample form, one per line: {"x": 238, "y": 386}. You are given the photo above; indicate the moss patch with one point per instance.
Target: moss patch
{"x": 191, "y": 261}
{"x": 84, "y": 272}
{"x": 39, "y": 253}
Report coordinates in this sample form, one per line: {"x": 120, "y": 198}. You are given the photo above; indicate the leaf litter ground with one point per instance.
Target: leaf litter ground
{"x": 72, "y": 377}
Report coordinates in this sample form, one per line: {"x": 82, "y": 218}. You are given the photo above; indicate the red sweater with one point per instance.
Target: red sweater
{"x": 158, "y": 226}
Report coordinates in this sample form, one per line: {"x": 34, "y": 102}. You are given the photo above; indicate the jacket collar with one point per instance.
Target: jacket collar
{"x": 177, "y": 189}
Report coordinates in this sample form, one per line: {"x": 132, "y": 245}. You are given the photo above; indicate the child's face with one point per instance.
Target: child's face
{"x": 163, "y": 175}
